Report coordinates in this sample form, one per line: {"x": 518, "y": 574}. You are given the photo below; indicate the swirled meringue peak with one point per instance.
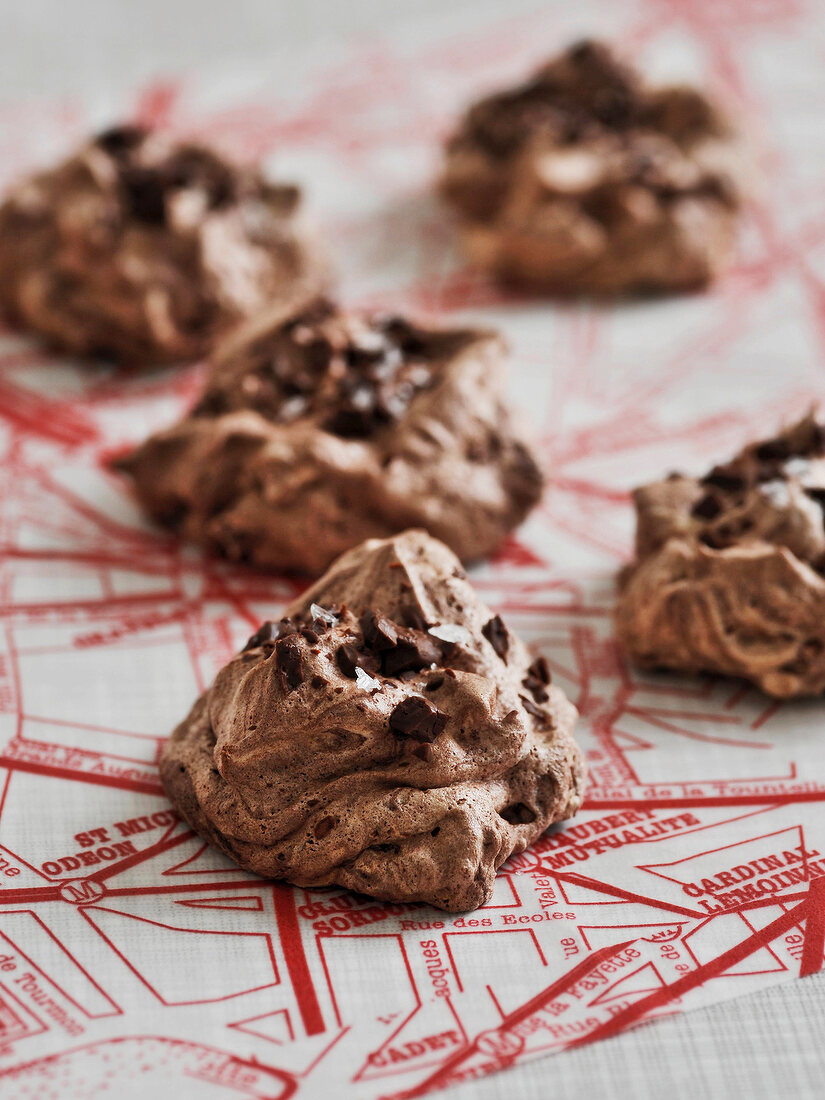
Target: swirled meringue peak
{"x": 359, "y": 742}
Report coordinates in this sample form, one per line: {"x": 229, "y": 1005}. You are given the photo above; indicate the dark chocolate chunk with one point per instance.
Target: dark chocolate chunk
{"x": 289, "y": 657}
{"x": 536, "y": 688}
{"x": 532, "y": 709}
{"x": 707, "y": 507}
{"x": 496, "y": 634}
{"x": 192, "y": 167}
{"x": 817, "y": 444}
{"x": 118, "y": 140}
{"x": 266, "y": 633}
{"x": 613, "y": 107}
{"x": 713, "y": 539}
{"x": 358, "y": 414}
{"x": 816, "y": 494}
{"x": 423, "y": 752}
{"x": 418, "y": 719}
{"x": 348, "y": 657}
{"x": 540, "y": 669}
{"x": 584, "y": 50}
{"x": 379, "y": 632}
{"x": 145, "y": 195}
{"x": 434, "y": 683}
{"x": 172, "y": 513}
{"x": 773, "y": 450}
{"x": 415, "y": 650}
{"x": 324, "y": 827}
{"x": 726, "y": 480}
{"x": 319, "y": 682}
{"x": 538, "y": 675}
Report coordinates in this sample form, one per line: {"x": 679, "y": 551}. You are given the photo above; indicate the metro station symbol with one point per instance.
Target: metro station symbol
{"x": 81, "y": 891}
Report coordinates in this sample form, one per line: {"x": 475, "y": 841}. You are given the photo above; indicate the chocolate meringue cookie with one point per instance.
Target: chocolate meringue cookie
{"x": 144, "y": 249}
{"x": 320, "y": 428}
{"x": 389, "y": 735}
{"x": 729, "y": 571}
{"x": 584, "y": 180}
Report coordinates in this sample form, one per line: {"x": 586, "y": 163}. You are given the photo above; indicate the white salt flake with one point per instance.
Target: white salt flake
{"x": 365, "y": 681}
{"x": 450, "y": 632}
{"x": 797, "y": 467}
{"x": 777, "y": 493}
{"x": 318, "y": 612}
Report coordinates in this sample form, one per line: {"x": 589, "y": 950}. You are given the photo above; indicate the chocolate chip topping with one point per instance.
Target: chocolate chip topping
{"x": 726, "y": 480}
{"x": 707, "y": 507}
{"x": 351, "y": 379}
{"x": 348, "y": 657}
{"x": 540, "y": 669}
{"x": 415, "y": 651}
{"x": 537, "y": 679}
{"x": 496, "y": 634}
{"x": 265, "y": 634}
{"x": 379, "y": 631}
{"x": 585, "y": 89}
{"x": 118, "y": 140}
{"x": 533, "y": 710}
{"x": 289, "y": 657}
{"x": 416, "y": 718}
{"x": 146, "y": 189}
{"x": 773, "y": 450}
{"x": 144, "y": 195}
{"x": 288, "y": 637}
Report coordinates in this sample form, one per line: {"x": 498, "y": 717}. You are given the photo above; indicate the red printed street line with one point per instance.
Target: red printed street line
{"x": 37, "y": 416}
{"x": 813, "y": 947}
{"x": 618, "y": 892}
{"x": 183, "y": 888}
{"x": 125, "y": 784}
{"x": 444, "y": 1071}
{"x": 784, "y": 799}
{"x": 52, "y": 893}
{"x": 289, "y": 931}
{"x": 699, "y": 976}
{"x": 30, "y": 895}
{"x": 141, "y": 857}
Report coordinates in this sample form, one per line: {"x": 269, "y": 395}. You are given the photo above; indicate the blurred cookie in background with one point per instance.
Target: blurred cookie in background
{"x": 584, "y": 180}
{"x": 729, "y": 575}
{"x": 144, "y": 249}
{"x": 320, "y": 427}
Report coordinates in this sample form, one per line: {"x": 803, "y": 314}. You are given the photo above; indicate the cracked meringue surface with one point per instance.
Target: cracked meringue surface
{"x": 145, "y": 249}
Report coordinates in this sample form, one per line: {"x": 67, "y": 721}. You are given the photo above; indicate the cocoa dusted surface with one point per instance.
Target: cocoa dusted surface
{"x": 729, "y": 574}
{"x": 411, "y": 769}
{"x": 585, "y": 180}
{"x": 318, "y": 428}
{"x": 145, "y": 249}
